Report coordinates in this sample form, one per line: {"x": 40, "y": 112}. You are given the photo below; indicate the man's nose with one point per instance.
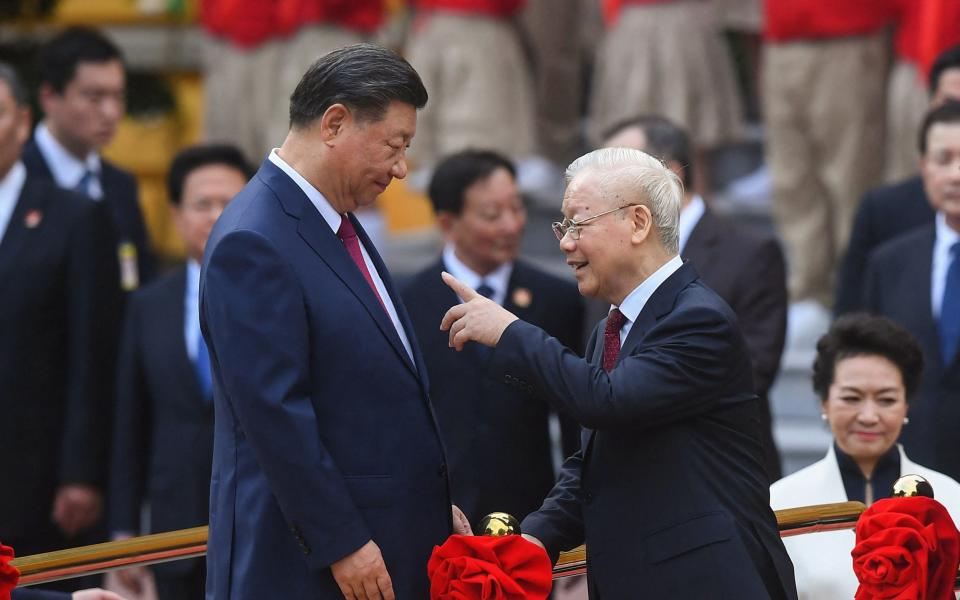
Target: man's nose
{"x": 399, "y": 169}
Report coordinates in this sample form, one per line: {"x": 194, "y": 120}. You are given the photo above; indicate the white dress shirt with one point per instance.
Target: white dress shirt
{"x": 689, "y": 217}
{"x": 498, "y": 279}
{"x": 67, "y": 169}
{"x": 633, "y": 304}
{"x": 944, "y": 239}
{"x": 191, "y": 312}
{"x": 333, "y": 218}
{"x": 10, "y": 187}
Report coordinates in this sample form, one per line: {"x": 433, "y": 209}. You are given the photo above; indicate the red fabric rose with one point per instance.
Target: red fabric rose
{"x": 489, "y": 568}
{"x": 907, "y": 549}
{"x": 9, "y": 575}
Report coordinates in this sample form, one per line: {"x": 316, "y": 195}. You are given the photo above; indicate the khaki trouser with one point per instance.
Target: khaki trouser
{"x": 907, "y": 103}
{"x": 824, "y": 108}
{"x": 481, "y": 94}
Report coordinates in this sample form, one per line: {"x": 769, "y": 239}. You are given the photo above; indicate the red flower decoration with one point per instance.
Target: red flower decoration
{"x": 9, "y": 575}
{"x": 489, "y": 568}
{"x": 907, "y": 549}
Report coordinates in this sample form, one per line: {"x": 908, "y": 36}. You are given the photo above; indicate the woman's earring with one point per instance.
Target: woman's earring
{"x": 906, "y": 420}
{"x": 823, "y": 416}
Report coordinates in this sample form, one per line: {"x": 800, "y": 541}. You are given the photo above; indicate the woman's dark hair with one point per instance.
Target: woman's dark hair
{"x": 861, "y": 334}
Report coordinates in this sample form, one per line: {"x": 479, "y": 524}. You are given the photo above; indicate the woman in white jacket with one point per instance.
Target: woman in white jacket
{"x": 864, "y": 373}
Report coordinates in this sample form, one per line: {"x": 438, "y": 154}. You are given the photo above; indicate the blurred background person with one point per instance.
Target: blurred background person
{"x": 163, "y": 433}
{"x": 666, "y": 57}
{"x": 866, "y": 372}
{"x": 469, "y": 55}
{"x": 744, "y": 266}
{"x": 914, "y": 279}
{"x": 824, "y": 78}
{"x": 497, "y": 439}
{"x": 59, "y": 301}
{"x": 891, "y": 210}
{"x": 83, "y": 96}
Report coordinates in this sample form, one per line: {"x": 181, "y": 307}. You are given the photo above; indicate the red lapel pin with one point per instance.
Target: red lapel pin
{"x": 32, "y": 218}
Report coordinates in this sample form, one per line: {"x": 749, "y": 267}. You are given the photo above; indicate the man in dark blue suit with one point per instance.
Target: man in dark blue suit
{"x": 914, "y": 279}
{"x": 668, "y": 488}
{"x": 329, "y": 476}
{"x": 58, "y": 305}
{"x": 163, "y": 432}
{"x": 891, "y": 210}
{"x": 83, "y": 96}
{"x": 498, "y": 443}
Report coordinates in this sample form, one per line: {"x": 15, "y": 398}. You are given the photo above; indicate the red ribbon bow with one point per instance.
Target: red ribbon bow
{"x": 9, "y": 575}
{"x": 489, "y": 568}
{"x": 907, "y": 549}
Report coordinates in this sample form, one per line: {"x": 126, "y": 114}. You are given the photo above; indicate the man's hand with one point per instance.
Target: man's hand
{"x": 461, "y": 524}
{"x": 95, "y": 594}
{"x": 478, "y": 319}
{"x": 363, "y": 575}
{"x": 76, "y": 507}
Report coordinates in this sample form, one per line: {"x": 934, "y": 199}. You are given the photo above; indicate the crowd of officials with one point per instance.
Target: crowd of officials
{"x": 105, "y": 382}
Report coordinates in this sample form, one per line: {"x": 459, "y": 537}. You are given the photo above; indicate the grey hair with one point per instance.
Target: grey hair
{"x": 630, "y": 176}
{"x": 9, "y": 76}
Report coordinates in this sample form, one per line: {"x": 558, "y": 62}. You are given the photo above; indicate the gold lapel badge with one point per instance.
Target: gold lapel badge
{"x": 522, "y": 297}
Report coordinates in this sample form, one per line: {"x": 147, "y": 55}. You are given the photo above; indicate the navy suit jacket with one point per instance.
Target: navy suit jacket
{"x": 748, "y": 271}
{"x": 898, "y": 286}
{"x": 120, "y": 196}
{"x": 324, "y": 434}
{"x": 497, "y": 436}
{"x": 163, "y": 433}
{"x": 668, "y": 488}
{"x": 58, "y": 321}
{"x": 884, "y": 213}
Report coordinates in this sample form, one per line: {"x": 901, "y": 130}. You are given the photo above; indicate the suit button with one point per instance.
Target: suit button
{"x": 587, "y": 498}
{"x": 442, "y": 471}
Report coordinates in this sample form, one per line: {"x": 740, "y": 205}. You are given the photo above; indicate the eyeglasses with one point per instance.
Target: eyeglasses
{"x": 562, "y": 228}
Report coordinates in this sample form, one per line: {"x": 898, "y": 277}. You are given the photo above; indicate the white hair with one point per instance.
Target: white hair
{"x": 628, "y": 176}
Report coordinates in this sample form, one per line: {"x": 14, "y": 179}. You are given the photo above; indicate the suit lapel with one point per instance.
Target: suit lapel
{"x": 919, "y": 279}
{"x": 17, "y": 233}
{"x": 315, "y": 231}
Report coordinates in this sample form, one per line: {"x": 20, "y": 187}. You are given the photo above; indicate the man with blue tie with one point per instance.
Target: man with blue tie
{"x": 83, "y": 96}
{"x": 915, "y": 280}
{"x": 163, "y": 431}
{"x": 668, "y": 489}
{"x": 329, "y": 477}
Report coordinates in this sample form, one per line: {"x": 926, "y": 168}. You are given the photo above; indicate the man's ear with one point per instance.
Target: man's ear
{"x": 46, "y": 95}
{"x": 642, "y": 220}
{"x": 333, "y": 122}
{"x": 446, "y": 221}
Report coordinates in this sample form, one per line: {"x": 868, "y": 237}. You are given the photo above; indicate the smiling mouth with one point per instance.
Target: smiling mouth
{"x": 577, "y": 265}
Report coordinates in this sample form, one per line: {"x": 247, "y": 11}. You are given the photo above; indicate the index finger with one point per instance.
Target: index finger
{"x": 461, "y": 289}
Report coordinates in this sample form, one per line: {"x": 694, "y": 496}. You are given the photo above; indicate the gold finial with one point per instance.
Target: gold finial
{"x": 499, "y": 524}
{"x": 909, "y": 486}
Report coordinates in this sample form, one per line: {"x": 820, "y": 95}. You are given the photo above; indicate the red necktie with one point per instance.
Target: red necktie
{"x": 348, "y": 235}
{"x": 611, "y": 339}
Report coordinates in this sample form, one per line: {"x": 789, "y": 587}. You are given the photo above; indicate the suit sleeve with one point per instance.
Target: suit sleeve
{"x": 572, "y": 337}
{"x": 852, "y": 267}
{"x": 762, "y": 313}
{"x": 559, "y": 522}
{"x": 256, "y": 327}
{"x": 672, "y": 377}
{"x": 93, "y": 316}
{"x": 131, "y": 433}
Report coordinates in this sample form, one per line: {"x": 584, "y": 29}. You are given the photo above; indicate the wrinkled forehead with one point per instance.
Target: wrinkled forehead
{"x": 584, "y": 195}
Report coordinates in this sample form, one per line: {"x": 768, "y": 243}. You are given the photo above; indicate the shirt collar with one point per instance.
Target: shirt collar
{"x": 633, "y": 304}
{"x": 193, "y": 279}
{"x": 689, "y": 217}
{"x": 11, "y": 186}
{"x": 498, "y": 279}
{"x": 945, "y": 236}
{"x": 67, "y": 169}
{"x": 329, "y": 214}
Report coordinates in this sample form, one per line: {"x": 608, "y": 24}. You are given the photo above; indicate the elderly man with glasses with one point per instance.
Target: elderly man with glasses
{"x": 668, "y": 488}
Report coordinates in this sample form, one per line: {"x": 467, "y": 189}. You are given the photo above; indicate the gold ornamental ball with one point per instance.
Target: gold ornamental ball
{"x": 499, "y": 524}
{"x": 909, "y": 486}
